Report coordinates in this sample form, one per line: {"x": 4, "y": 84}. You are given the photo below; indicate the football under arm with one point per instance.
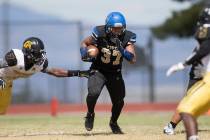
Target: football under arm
{"x": 84, "y": 48}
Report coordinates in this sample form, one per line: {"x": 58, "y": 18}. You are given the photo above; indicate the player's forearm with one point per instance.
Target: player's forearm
{"x": 199, "y": 54}
{"x": 128, "y": 53}
{"x": 62, "y": 73}
{"x": 133, "y": 61}
{"x": 57, "y": 72}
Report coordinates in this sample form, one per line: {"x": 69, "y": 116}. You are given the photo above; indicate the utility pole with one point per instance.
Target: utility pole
{"x": 80, "y": 36}
{"x": 151, "y": 69}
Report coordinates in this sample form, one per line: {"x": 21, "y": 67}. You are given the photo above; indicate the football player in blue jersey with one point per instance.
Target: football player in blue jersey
{"x": 114, "y": 42}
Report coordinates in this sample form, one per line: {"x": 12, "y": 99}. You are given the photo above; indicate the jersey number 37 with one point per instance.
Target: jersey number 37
{"x": 106, "y": 58}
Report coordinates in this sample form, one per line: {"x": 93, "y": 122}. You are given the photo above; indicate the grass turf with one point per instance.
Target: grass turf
{"x": 137, "y": 126}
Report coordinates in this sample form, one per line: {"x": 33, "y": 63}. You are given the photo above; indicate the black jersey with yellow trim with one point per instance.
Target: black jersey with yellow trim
{"x": 109, "y": 58}
{"x": 202, "y": 35}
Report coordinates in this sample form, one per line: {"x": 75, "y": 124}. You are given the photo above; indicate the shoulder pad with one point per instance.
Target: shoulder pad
{"x": 11, "y": 58}
{"x": 130, "y": 37}
{"x": 202, "y": 33}
{"x": 98, "y": 31}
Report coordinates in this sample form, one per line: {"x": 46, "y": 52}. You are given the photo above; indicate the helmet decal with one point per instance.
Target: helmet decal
{"x": 27, "y": 44}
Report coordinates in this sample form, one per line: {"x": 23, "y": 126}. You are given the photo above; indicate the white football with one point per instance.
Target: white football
{"x": 92, "y": 51}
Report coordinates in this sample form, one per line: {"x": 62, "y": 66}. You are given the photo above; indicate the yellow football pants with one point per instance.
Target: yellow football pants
{"x": 197, "y": 100}
{"x": 5, "y": 97}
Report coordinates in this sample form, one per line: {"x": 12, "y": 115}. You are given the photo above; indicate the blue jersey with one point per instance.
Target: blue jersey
{"x": 109, "y": 58}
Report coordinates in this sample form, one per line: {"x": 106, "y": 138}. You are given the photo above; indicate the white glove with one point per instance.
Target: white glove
{"x": 2, "y": 84}
{"x": 175, "y": 68}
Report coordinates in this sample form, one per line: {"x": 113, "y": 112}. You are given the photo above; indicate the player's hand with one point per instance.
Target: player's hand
{"x": 117, "y": 42}
{"x": 2, "y": 84}
{"x": 84, "y": 73}
{"x": 83, "y": 52}
{"x": 175, "y": 68}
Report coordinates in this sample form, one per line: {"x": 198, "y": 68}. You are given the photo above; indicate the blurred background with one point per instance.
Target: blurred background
{"x": 164, "y": 31}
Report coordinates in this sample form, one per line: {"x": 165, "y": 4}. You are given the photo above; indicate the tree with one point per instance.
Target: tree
{"x": 181, "y": 24}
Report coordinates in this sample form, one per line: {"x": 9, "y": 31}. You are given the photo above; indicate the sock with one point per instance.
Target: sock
{"x": 91, "y": 102}
{"x": 193, "y": 137}
{"x": 173, "y": 124}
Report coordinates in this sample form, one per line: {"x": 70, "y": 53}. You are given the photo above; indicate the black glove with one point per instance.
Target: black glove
{"x": 2, "y": 84}
{"x": 117, "y": 42}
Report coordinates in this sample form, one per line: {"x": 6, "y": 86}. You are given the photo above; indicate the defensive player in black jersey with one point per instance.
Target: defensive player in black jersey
{"x": 114, "y": 43}
{"x": 22, "y": 63}
{"x": 197, "y": 99}
{"x": 196, "y": 74}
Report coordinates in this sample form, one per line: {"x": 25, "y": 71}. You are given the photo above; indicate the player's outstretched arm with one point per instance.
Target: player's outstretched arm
{"x": 203, "y": 50}
{"x": 58, "y": 72}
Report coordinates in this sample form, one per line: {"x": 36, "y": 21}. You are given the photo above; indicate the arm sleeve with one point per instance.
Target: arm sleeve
{"x": 200, "y": 53}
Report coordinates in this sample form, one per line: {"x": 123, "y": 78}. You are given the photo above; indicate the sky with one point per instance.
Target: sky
{"x": 137, "y": 12}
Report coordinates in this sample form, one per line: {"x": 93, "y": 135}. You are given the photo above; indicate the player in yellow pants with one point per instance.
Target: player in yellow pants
{"x": 194, "y": 104}
{"x": 5, "y": 97}
{"x": 197, "y": 100}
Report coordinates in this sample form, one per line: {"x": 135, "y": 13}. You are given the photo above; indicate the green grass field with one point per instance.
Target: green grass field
{"x": 137, "y": 126}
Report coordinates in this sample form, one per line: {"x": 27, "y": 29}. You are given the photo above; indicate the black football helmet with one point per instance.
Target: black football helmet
{"x": 204, "y": 17}
{"x": 33, "y": 49}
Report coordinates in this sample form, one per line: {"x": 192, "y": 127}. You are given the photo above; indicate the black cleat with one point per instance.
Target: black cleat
{"x": 115, "y": 128}
{"x": 89, "y": 120}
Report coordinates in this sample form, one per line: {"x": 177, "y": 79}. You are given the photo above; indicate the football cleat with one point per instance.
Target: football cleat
{"x": 115, "y": 128}
{"x": 168, "y": 129}
{"x": 89, "y": 120}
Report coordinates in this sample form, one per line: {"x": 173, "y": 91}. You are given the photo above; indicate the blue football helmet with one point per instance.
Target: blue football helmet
{"x": 115, "y": 21}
